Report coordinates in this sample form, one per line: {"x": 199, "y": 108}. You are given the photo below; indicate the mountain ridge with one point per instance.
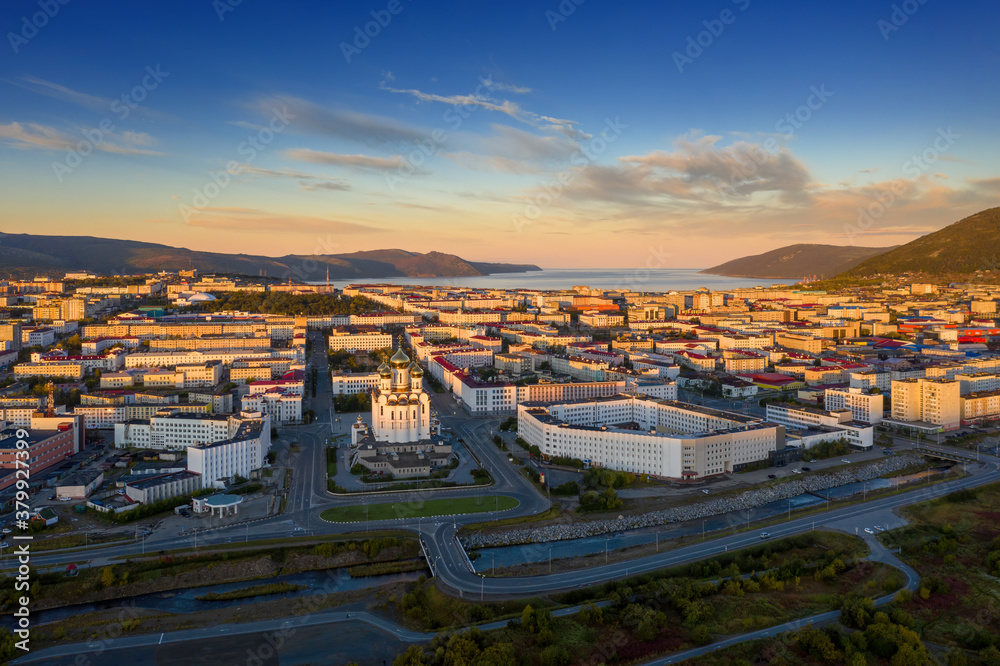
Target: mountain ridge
{"x": 797, "y": 261}
{"x": 26, "y": 254}
{"x": 969, "y": 245}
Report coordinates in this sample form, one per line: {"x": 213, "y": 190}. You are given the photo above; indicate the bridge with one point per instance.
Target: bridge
{"x": 954, "y": 456}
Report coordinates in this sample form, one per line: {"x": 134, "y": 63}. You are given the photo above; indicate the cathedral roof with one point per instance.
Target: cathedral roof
{"x": 399, "y": 360}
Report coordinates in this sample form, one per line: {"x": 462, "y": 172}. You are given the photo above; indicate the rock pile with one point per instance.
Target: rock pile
{"x": 737, "y": 502}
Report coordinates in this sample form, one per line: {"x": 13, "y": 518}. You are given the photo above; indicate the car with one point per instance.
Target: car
{"x": 845, "y": 460}
{"x": 813, "y": 460}
{"x": 796, "y": 471}
{"x": 879, "y": 528}
{"x": 869, "y": 530}
{"x": 7, "y": 530}
{"x": 705, "y": 490}
{"x": 65, "y": 499}
{"x": 772, "y": 476}
{"x": 807, "y": 469}
{"x": 51, "y": 497}
{"x": 765, "y": 535}
{"x": 4, "y": 545}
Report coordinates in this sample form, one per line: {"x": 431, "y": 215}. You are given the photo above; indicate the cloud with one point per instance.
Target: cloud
{"x": 32, "y": 136}
{"x": 512, "y": 150}
{"x": 364, "y": 162}
{"x": 93, "y": 102}
{"x": 738, "y": 170}
{"x": 512, "y": 109}
{"x": 340, "y": 123}
{"x": 306, "y": 181}
{"x": 252, "y": 220}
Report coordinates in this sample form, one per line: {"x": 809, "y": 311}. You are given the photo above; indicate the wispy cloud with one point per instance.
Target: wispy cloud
{"x": 512, "y": 109}
{"x": 32, "y": 136}
{"x": 93, "y": 102}
{"x": 252, "y": 219}
{"x": 306, "y": 181}
{"x": 364, "y": 162}
{"x": 366, "y": 128}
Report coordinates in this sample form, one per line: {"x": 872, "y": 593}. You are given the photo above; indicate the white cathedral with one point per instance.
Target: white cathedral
{"x": 401, "y": 410}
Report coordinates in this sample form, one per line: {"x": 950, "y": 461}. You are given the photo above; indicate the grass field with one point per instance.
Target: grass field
{"x": 421, "y": 509}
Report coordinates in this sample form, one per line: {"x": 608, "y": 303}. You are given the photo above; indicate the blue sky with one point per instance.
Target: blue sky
{"x": 559, "y": 133}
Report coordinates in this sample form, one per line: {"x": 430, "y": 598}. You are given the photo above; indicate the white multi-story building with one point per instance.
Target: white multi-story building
{"x": 815, "y": 425}
{"x": 169, "y": 359}
{"x": 977, "y": 382}
{"x": 284, "y": 406}
{"x": 238, "y": 455}
{"x": 869, "y": 379}
{"x": 867, "y": 407}
{"x": 179, "y": 430}
{"x": 356, "y": 339}
{"x": 101, "y": 416}
{"x": 37, "y": 336}
{"x": 354, "y": 382}
{"x": 646, "y": 436}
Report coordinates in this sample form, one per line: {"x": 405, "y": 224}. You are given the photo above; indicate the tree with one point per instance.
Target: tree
{"x": 414, "y": 656}
{"x": 701, "y": 635}
{"x": 107, "y": 577}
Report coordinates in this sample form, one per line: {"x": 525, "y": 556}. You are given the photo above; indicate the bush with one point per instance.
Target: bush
{"x": 569, "y": 488}
{"x": 829, "y": 449}
{"x": 605, "y": 501}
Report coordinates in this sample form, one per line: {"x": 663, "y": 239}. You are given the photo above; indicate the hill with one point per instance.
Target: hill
{"x": 24, "y": 255}
{"x": 797, "y": 261}
{"x": 967, "y": 246}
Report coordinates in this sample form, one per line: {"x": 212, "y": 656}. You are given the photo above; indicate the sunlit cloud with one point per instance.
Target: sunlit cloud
{"x": 32, "y": 136}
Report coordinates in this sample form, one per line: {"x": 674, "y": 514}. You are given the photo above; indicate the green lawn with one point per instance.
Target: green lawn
{"x": 423, "y": 508}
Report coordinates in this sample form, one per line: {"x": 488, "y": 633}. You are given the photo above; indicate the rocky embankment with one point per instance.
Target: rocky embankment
{"x": 736, "y": 502}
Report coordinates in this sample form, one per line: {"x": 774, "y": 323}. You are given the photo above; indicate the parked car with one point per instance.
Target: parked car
{"x": 772, "y": 476}
{"x": 51, "y": 497}
{"x": 879, "y": 528}
{"x": 869, "y": 530}
{"x": 704, "y": 490}
{"x": 813, "y": 460}
{"x": 7, "y": 530}
{"x": 845, "y": 460}
{"x": 765, "y": 535}
{"x": 4, "y": 545}
{"x": 796, "y": 471}
{"x": 807, "y": 469}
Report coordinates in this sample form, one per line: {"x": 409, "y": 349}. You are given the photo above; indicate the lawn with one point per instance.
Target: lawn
{"x": 419, "y": 509}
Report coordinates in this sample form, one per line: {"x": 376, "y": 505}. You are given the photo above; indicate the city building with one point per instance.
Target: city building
{"x": 357, "y": 338}
{"x": 867, "y": 407}
{"x": 238, "y": 455}
{"x": 663, "y": 438}
{"x": 927, "y": 404}
{"x": 814, "y": 425}
{"x": 351, "y": 383}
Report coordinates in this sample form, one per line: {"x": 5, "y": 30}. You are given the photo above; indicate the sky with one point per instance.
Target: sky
{"x": 579, "y": 133}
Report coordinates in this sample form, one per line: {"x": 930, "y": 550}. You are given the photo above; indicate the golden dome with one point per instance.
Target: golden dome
{"x": 399, "y": 360}
{"x": 416, "y": 370}
{"x": 384, "y": 370}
